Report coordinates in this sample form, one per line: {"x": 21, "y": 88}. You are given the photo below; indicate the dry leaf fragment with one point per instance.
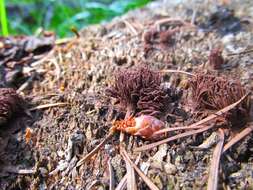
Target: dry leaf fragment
{"x": 28, "y": 135}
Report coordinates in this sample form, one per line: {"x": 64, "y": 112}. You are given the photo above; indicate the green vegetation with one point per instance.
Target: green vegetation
{"x": 3, "y": 18}
{"x": 26, "y": 16}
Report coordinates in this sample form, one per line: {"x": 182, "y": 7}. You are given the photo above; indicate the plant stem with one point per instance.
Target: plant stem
{"x": 3, "y": 16}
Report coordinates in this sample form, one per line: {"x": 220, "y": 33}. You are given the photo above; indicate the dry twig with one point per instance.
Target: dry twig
{"x": 173, "y": 21}
{"x": 16, "y": 170}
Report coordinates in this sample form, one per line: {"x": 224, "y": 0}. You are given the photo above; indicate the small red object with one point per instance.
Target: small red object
{"x": 144, "y": 126}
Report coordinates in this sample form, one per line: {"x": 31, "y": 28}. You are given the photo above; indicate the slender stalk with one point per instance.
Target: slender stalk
{"x": 3, "y": 16}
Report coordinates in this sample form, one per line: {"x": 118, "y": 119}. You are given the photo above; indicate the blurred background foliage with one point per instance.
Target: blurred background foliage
{"x": 26, "y": 16}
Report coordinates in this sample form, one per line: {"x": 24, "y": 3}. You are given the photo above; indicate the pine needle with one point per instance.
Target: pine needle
{"x": 123, "y": 181}
{"x": 238, "y": 137}
{"x": 179, "y": 136}
{"x": 95, "y": 150}
{"x": 149, "y": 183}
{"x": 176, "y": 71}
{"x": 214, "y": 169}
{"x": 170, "y": 129}
{"x": 48, "y": 106}
{"x": 131, "y": 181}
{"x": 111, "y": 173}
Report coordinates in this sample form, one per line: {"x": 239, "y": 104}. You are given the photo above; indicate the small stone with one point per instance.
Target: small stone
{"x": 170, "y": 168}
{"x": 28, "y": 155}
{"x": 62, "y": 165}
{"x": 43, "y": 171}
{"x": 158, "y": 181}
{"x": 178, "y": 160}
{"x": 161, "y": 153}
{"x": 144, "y": 167}
{"x": 236, "y": 175}
{"x": 60, "y": 153}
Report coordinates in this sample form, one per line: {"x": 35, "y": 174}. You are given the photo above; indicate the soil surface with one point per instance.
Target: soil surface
{"x": 77, "y": 73}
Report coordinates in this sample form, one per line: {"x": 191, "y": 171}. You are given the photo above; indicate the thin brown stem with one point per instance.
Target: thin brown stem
{"x": 238, "y": 137}
{"x": 95, "y": 150}
{"x": 214, "y": 169}
{"x": 75, "y": 31}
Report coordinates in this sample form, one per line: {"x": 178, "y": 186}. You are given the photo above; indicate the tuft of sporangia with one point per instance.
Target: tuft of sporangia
{"x": 10, "y": 104}
{"x": 154, "y": 38}
{"x": 139, "y": 91}
{"x": 215, "y": 59}
{"x": 213, "y": 93}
